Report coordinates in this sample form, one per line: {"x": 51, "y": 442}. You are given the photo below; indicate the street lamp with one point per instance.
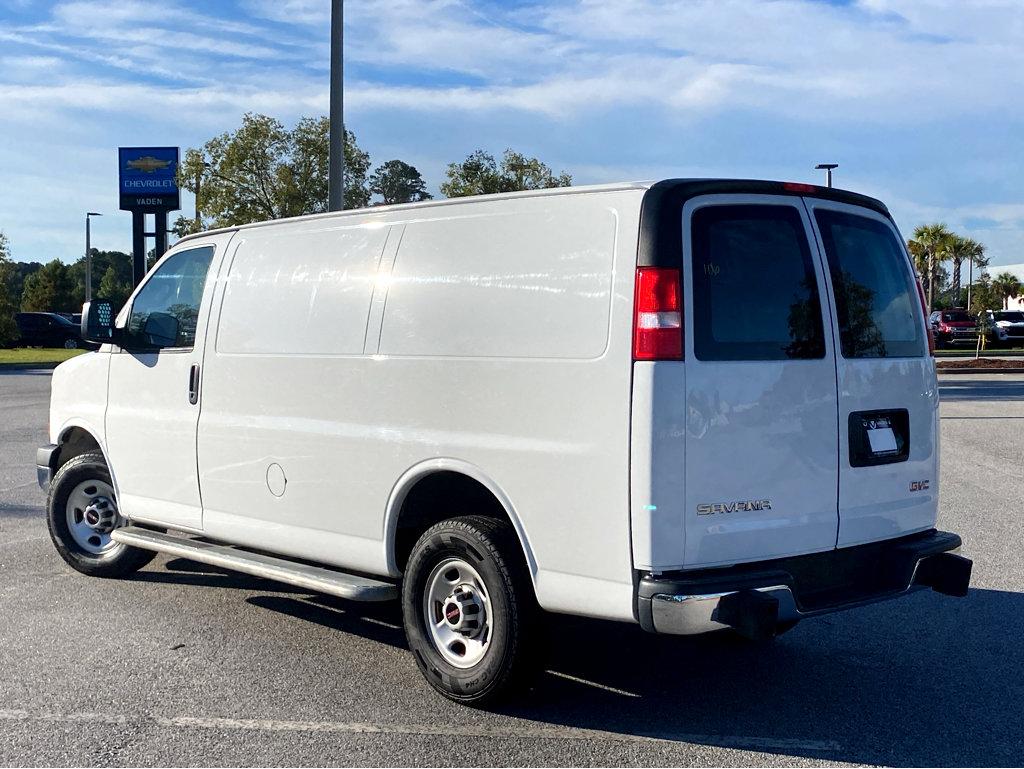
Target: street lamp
{"x": 88, "y": 256}
{"x": 827, "y": 168}
{"x": 336, "y": 154}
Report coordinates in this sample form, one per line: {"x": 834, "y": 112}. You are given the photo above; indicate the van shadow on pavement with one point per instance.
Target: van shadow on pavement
{"x": 925, "y": 680}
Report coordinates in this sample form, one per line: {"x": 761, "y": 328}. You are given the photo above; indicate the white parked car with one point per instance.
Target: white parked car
{"x": 692, "y": 405}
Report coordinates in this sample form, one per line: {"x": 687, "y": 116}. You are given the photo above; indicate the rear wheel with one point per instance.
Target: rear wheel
{"x": 469, "y": 609}
{"x": 81, "y": 512}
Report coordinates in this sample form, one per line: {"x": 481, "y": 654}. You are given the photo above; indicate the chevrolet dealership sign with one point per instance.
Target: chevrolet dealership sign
{"x": 148, "y": 178}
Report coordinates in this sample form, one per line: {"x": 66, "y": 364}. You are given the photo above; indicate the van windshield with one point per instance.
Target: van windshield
{"x": 876, "y": 303}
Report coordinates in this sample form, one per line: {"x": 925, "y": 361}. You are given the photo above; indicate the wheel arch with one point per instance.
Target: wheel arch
{"x": 457, "y": 475}
{"x": 76, "y": 439}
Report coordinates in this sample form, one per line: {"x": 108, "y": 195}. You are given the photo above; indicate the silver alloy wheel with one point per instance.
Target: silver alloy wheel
{"x": 92, "y": 514}
{"x": 70, "y": 344}
{"x": 456, "y": 609}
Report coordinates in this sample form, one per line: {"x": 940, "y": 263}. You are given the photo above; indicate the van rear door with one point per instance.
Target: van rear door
{"x": 761, "y": 430}
{"x": 888, "y": 396}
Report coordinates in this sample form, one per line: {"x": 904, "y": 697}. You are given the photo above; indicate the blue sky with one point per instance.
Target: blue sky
{"x": 920, "y": 101}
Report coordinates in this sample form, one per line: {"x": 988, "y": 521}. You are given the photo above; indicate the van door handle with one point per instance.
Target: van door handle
{"x": 193, "y": 384}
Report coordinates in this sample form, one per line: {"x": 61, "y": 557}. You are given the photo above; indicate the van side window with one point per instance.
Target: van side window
{"x": 165, "y": 311}
{"x": 755, "y": 295}
{"x": 876, "y": 300}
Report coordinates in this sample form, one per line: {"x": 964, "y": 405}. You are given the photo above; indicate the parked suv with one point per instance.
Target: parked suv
{"x": 692, "y": 405}
{"x": 954, "y": 327}
{"x": 49, "y": 329}
{"x": 1004, "y": 327}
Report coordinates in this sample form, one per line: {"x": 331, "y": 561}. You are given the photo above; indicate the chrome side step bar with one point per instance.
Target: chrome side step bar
{"x": 302, "y": 575}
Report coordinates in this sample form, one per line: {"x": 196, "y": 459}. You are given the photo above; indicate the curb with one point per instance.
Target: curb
{"x": 21, "y": 366}
{"x": 941, "y": 370}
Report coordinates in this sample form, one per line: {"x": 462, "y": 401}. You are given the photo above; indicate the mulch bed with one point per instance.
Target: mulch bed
{"x": 987, "y": 363}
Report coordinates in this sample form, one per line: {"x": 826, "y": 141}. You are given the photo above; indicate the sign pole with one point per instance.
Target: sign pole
{"x": 138, "y": 246}
{"x": 160, "y": 232}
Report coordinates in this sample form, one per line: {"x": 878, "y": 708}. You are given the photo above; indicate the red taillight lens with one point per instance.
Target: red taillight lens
{"x": 658, "y": 317}
{"x": 809, "y": 189}
{"x": 927, "y": 323}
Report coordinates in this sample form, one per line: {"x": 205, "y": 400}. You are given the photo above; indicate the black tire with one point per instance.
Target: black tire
{"x": 489, "y": 546}
{"x": 71, "y": 344}
{"x": 119, "y": 561}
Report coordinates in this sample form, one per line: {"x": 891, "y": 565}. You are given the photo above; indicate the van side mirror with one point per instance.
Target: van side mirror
{"x": 160, "y": 329}
{"x": 98, "y": 321}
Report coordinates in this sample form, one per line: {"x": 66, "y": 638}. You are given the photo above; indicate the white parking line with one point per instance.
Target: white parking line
{"x": 19, "y": 486}
{"x": 530, "y": 731}
{"x": 8, "y": 543}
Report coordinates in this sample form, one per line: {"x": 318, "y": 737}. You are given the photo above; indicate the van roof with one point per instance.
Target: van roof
{"x": 660, "y": 191}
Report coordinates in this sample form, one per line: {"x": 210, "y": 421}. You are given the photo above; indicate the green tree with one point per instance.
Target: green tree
{"x": 481, "y": 174}
{"x": 16, "y": 283}
{"x": 398, "y": 182}
{"x": 1007, "y": 287}
{"x": 102, "y": 263}
{"x": 264, "y": 171}
{"x": 8, "y": 329}
{"x": 51, "y": 289}
{"x": 929, "y": 247}
{"x": 984, "y": 296}
{"x": 960, "y": 250}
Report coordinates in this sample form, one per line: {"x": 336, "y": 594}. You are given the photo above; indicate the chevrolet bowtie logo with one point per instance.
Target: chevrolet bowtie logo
{"x": 148, "y": 164}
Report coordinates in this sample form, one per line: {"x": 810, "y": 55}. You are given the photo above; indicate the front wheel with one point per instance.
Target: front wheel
{"x": 469, "y": 609}
{"x": 70, "y": 344}
{"x": 81, "y": 512}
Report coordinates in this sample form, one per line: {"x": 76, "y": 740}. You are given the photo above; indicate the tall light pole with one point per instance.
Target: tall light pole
{"x": 827, "y": 168}
{"x": 88, "y": 256}
{"x": 970, "y": 280}
{"x": 336, "y": 156}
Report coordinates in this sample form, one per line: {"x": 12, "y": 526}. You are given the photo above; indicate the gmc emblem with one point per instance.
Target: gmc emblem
{"x": 919, "y": 485}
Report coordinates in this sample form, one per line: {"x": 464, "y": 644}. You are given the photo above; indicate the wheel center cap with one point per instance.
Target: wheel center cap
{"x": 452, "y": 614}
{"x": 100, "y": 516}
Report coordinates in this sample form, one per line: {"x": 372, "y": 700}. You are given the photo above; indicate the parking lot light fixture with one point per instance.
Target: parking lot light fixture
{"x": 88, "y": 256}
{"x": 827, "y": 168}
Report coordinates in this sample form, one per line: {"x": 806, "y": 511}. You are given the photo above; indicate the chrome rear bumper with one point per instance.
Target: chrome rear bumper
{"x": 758, "y": 599}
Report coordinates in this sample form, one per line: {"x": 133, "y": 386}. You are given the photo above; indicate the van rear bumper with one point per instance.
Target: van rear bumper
{"x": 758, "y": 600}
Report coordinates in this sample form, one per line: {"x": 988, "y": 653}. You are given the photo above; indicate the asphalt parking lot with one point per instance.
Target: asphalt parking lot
{"x": 186, "y": 665}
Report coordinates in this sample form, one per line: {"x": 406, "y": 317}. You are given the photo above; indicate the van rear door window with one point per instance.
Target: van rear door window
{"x": 755, "y": 295}
{"x": 876, "y": 303}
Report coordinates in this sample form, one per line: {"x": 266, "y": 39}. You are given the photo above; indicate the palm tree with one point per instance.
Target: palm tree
{"x": 929, "y": 247}
{"x": 959, "y": 250}
{"x": 1008, "y": 287}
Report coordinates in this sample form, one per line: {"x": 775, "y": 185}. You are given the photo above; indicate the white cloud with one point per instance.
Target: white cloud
{"x": 607, "y": 89}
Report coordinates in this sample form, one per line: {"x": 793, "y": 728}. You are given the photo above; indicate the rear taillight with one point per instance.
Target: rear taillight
{"x": 927, "y": 324}
{"x": 657, "y": 317}
{"x": 807, "y": 189}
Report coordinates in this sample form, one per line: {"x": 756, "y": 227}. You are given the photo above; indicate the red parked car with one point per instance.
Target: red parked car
{"x": 953, "y": 327}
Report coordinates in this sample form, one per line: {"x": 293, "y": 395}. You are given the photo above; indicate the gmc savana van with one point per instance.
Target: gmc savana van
{"x": 692, "y": 405}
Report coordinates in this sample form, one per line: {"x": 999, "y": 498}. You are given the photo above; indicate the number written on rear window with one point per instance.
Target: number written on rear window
{"x": 755, "y": 295}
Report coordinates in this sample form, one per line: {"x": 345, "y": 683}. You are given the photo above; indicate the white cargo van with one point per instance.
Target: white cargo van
{"x": 692, "y": 405}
